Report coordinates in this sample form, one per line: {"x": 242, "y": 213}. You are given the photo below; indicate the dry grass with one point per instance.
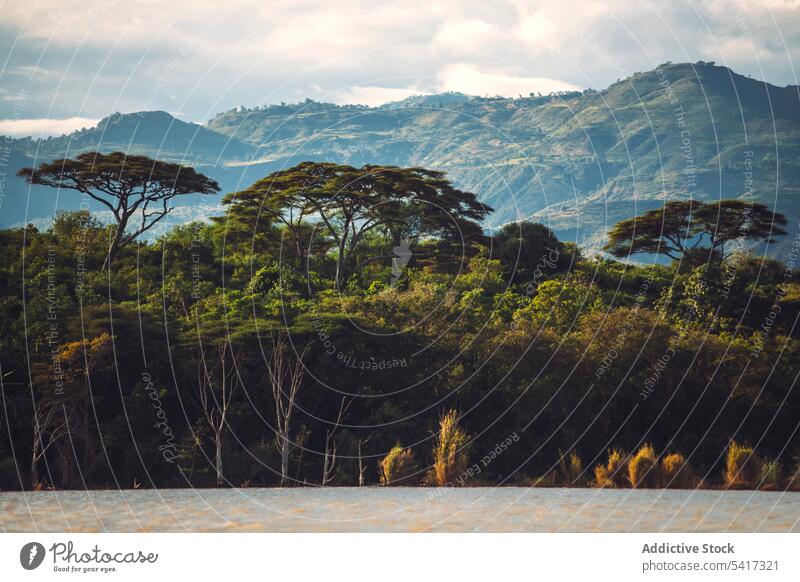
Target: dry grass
{"x": 613, "y": 473}
{"x": 449, "y": 453}
{"x": 571, "y": 470}
{"x": 676, "y": 472}
{"x": 549, "y": 480}
{"x": 742, "y": 466}
{"x": 643, "y": 468}
{"x": 769, "y": 477}
{"x": 398, "y": 467}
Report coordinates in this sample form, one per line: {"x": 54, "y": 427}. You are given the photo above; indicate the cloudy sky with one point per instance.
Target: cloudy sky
{"x": 67, "y": 63}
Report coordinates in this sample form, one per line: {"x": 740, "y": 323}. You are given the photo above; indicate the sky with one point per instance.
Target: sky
{"x": 66, "y": 64}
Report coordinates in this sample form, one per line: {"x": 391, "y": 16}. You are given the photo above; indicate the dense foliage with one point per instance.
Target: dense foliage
{"x": 221, "y": 342}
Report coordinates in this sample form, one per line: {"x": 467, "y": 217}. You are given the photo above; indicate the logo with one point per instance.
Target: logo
{"x": 402, "y": 254}
{"x": 31, "y": 555}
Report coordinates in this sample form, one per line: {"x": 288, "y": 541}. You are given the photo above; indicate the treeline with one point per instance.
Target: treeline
{"x": 356, "y": 326}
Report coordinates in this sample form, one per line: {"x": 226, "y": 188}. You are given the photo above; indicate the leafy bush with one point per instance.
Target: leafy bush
{"x": 548, "y": 480}
{"x": 769, "y": 477}
{"x": 676, "y": 472}
{"x": 742, "y": 467}
{"x": 449, "y": 454}
{"x": 398, "y": 467}
{"x": 612, "y": 474}
{"x": 571, "y": 470}
{"x": 643, "y": 469}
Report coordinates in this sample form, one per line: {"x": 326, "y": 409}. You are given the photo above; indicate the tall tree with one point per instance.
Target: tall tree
{"x": 666, "y": 230}
{"x": 729, "y": 220}
{"x": 681, "y": 227}
{"x": 285, "y": 378}
{"x": 346, "y": 203}
{"x": 136, "y": 189}
{"x": 217, "y": 383}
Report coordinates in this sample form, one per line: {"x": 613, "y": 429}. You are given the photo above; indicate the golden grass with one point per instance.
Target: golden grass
{"x": 742, "y": 466}
{"x": 449, "y": 452}
{"x": 571, "y": 470}
{"x": 643, "y": 468}
{"x": 613, "y": 473}
{"x": 769, "y": 477}
{"x": 397, "y": 467}
{"x": 676, "y": 472}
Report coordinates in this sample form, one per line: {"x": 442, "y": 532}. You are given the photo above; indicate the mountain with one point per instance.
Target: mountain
{"x": 577, "y": 161}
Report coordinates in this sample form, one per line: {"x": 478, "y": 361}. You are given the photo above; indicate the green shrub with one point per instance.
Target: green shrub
{"x": 769, "y": 477}
{"x": 742, "y": 467}
{"x": 643, "y": 469}
{"x": 398, "y": 467}
{"x": 676, "y": 472}
{"x": 549, "y": 480}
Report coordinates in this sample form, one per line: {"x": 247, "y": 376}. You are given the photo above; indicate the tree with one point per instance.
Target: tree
{"x": 730, "y": 220}
{"x": 217, "y": 381}
{"x": 530, "y": 251}
{"x": 681, "y": 228}
{"x": 129, "y": 186}
{"x": 285, "y": 379}
{"x": 665, "y": 230}
{"x": 347, "y": 203}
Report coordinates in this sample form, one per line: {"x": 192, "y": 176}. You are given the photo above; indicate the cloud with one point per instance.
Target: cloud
{"x": 371, "y": 96}
{"x": 44, "y": 127}
{"x": 473, "y": 81}
{"x": 467, "y": 35}
{"x": 200, "y": 57}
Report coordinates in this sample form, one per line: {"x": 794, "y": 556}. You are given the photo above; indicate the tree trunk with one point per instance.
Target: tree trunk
{"x": 360, "y": 466}
{"x": 114, "y": 246}
{"x": 34, "y": 469}
{"x": 218, "y": 458}
{"x": 284, "y": 459}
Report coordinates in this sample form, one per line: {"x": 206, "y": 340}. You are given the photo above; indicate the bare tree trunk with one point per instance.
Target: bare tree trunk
{"x": 284, "y": 447}
{"x": 217, "y": 386}
{"x": 285, "y": 380}
{"x": 34, "y": 470}
{"x": 330, "y": 444}
{"x": 360, "y": 466}
{"x": 218, "y": 457}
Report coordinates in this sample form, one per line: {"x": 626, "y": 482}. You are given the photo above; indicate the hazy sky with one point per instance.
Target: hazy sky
{"x": 68, "y": 63}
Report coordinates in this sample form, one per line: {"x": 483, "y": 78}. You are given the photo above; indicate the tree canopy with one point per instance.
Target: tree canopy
{"x": 129, "y": 186}
{"x": 681, "y": 227}
{"x": 347, "y": 203}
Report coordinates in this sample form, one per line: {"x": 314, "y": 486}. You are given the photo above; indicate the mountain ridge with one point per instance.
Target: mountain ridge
{"x": 578, "y": 161}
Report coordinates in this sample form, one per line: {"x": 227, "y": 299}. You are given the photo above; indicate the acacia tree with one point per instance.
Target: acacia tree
{"x": 681, "y": 227}
{"x": 136, "y": 189}
{"x": 346, "y": 203}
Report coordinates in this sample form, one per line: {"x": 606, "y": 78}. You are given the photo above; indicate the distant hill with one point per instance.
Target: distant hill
{"x": 578, "y": 161}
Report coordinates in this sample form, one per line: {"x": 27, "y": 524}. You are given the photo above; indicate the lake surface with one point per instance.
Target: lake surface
{"x": 507, "y": 509}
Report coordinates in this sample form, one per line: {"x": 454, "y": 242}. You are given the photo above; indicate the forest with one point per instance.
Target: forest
{"x": 342, "y": 326}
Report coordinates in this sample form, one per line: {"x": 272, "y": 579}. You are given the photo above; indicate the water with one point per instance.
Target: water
{"x": 508, "y": 509}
